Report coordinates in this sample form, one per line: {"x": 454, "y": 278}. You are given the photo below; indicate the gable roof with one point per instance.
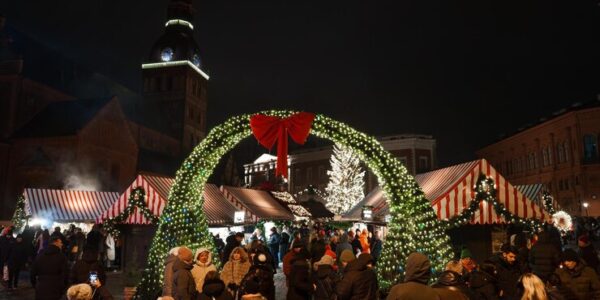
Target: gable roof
{"x": 63, "y": 118}
{"x": 260, "y": 205}
{"x": 67, "y": 205}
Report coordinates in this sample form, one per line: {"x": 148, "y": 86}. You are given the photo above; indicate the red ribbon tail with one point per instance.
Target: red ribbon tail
{"x": 282, "y": 153}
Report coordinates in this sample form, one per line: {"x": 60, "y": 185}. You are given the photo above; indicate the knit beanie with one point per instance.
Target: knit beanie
{"x": 347, "y": 256}
{"x": 465, "y": 253}
{"x": 325, "y": 260}
{"x": 185, "y": 254}
{"x": 570, "y": 255}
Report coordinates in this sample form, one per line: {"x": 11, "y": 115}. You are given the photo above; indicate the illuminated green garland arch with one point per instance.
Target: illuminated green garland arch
{"x": 137, "y": 198}
{"x": 413, "y": 225}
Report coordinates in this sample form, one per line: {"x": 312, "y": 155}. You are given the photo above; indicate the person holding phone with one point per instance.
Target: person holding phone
{"x": 100, "y": 292}
{"x": 89, "y": 263}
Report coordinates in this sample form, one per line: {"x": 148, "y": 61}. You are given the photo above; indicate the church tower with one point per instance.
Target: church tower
{"x": 174, "y": 79}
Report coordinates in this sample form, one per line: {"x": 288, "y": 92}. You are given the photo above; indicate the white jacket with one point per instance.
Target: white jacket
{"x": 199, "y": 270}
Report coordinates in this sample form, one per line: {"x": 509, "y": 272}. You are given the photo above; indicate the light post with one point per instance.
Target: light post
{"x": 585, "y": 205}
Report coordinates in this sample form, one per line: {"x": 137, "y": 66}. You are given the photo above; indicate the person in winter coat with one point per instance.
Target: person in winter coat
{"x": 578, "y": 281}
{"x": 284, "y": 243}
{"x": 42, "y": 241}
{"x": 359, "y": 281}
{"x": 353, "y": 240}
{"x": 297, "y": 237}
{"x": 184, "y": 286}
{"x": 168, "y": 273}
{"x": 450, "y": 284}
{"x": 341, "y": 246}
{"x": 544, "y": 258}
{"x": 533, "y": 287}
{"x": 376, "y": 246}
{"x": 508, "y": 272}
{"x": 59, "y": 234}
{"x": 523, "y": 244}
{"x": 483, "y": 282}
{"x": 324, "y": 278}
{"x": 300, "y": 286}
{"x": 235, "y": 269}
{"x": 363, "y": 238}
{"x": 587, "y": 252}
{"x": 233, "y": 241}
{"x": 214, "y": 288}
{"x": 89, "y": 263}
{"x": 259, "y": 279}
{"x": 50, "y": 272}
{"x": 202, "y": 266}
{"x": 274, "y": 241}
{"x": 414, "y": 287}
{"x": 17, "y": 257}
{"x": 94, "y": 238}
{"x": 467, "y": 261}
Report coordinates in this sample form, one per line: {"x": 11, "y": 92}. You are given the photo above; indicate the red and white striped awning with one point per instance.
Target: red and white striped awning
{"x": 67, "y": 205}
{"x": 217, "y": 209}
{"x": 450, "y": 191}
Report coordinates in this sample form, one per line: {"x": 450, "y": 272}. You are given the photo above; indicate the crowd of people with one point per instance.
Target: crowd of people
{"x": 68, "y": 262}
{"x": 317, "y": 264}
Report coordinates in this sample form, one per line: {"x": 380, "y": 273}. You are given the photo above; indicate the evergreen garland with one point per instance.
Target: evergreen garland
{"x": 485, "y": 190}
{"x": 548, "y": 203}
{"x": 137, "y": 198}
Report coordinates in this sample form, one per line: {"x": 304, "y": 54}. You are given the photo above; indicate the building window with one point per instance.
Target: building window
{"x": 423, "y": 163}
{"x": 560, "y": 185}
{"x": 560, "y": 153}
{"x": 550, "y": 162}
{"x": 566, "y": 149}
{"x": 590, "y": 146}
{"x": 544, "y": 157}
{"x": 403, "y": 160}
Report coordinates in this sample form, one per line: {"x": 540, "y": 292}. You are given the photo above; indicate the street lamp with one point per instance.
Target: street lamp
{"x": 585, "y": 205}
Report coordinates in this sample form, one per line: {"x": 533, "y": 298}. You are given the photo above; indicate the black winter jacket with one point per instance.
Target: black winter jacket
{"x": 325, "y": 279}
{"x": 260, "y": 276}
{"x": 17, "y": 256}
{"x": 507, "y": 277}
{"x": 414, "y": 287}
{"x": 300, "y": 285}
{"x": 451, "y": 283}
{"x": 543, "y": 257}
{"x": 81, "y": 269}
{"x": 581, "y": 283}
{"x": 232, "y": 243}
{"x": 483, "y": 285}
{"x": 359, "y": 281}
{"x": 214, "y": 289}
{"x": 49, "y": 274}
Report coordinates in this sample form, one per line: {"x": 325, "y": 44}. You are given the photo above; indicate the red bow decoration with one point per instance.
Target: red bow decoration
{"x": 268, "y": 130}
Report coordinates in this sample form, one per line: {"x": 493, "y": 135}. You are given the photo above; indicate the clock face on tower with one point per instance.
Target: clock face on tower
{"x": 196, "y": 60}
{"x": 166, "y": 54}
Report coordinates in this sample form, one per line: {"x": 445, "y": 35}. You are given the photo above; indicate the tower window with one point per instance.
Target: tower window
{"x": 590, "y": 146}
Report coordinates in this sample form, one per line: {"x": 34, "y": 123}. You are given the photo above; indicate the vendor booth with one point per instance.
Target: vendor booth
{"x": 455, "y": 195}
{"x": 52, "y": 207}
{"x": 136, "y": 218}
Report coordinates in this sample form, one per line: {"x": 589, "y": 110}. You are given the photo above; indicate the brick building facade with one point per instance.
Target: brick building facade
{"x": 560, "y": 152}
{"x": 309, "y": 167}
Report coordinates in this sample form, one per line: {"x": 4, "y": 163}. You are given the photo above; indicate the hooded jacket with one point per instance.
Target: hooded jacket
{"x": 168, "y": 275}
{"x": 89, "y": 262}
{"x": 359, "y": 281}
{"x": 234, "y": 271}
{"x": 580, "y": 283}
{"x": 414, "y": 287}
{"x": 543, "y": 257}
{"x": 49, "y": 274}
{"x": 232, "y": 243}
{"x": 184, "y": 287}
{"x": 258, "y": 280}
{"x": 483, "y": 285}
{"x": 199, "y": 270}
{"x": 342, "y": 245}
{"x": 214, "y": 289}
{"x": 300, "y": 285}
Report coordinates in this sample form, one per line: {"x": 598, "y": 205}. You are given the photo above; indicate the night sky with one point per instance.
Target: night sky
{"x": 464, "y": 71}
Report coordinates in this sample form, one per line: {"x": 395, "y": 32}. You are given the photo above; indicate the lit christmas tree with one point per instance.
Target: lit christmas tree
{"x": 346, "y": 180}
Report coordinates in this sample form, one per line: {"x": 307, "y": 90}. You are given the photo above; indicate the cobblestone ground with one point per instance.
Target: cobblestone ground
{"x": 115, "y": 286}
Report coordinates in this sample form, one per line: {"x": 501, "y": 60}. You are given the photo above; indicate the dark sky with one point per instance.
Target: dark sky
{"x": 464, "y": 71}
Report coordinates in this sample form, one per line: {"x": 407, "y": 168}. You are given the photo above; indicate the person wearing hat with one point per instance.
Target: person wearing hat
{"x": 467, "y": 261}
{"x": 259, "y": 279}
{"x": 587, "y": 252}
{"x": 417, "y": 275}
{"x": 578, "y": 281}
{"x": 324, "y": 278}
{"x": 300, "y": 284}
{"x": 184, "y": 286}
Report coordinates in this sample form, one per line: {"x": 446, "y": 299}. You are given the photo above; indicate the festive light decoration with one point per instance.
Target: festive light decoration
{"x": 346, "y": 180}
{"x": 19, "y": 216}
{"x": 137, "y": 199}
{"x": 485, "y": 190}
{"x": 413, "y": 225}
{"x": 548, "y": 202}
{"x": 562, "y": 221}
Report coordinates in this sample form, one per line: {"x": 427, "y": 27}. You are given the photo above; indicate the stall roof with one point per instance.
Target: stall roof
{"x": 260, "y": 205}
{"x": 317, "y": 209}
{"x": 451, "y": 189}
{"x": 216, "y": 207}
{"x": 67, "y": 205}
{"x": 286, "y": 199}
